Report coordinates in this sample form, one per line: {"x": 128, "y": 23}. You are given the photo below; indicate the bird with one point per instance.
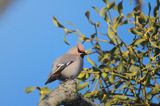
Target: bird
{"x": 69, "y": 65}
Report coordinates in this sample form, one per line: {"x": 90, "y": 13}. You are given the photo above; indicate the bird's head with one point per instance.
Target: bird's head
{"x": 81, "y": 50}
{"x": 78, "y": 50}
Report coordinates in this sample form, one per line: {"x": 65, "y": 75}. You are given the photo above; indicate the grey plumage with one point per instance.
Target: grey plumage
{"x": 68, "y": 66}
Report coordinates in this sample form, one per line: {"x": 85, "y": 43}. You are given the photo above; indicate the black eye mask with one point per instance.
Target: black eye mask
{"x": 79, "y": 50}
{"x": 82, "y": 53}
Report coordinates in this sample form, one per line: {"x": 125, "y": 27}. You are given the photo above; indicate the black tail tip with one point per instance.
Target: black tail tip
{"x": 46, "y": 82}
{"x": 51, "y": 79}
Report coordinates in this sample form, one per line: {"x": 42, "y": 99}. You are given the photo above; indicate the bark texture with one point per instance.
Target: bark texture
{"x": 66, "y": 94}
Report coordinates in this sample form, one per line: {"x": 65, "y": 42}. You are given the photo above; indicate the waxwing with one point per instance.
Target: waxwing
{"x": 69, "y": 65}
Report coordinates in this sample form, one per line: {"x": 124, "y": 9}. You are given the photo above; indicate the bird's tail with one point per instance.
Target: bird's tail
{"x": 53, "y": 77}
{"x": 48, "y": 81}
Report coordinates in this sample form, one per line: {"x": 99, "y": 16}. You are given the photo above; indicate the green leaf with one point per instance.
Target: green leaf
{"x": 96, "y": 9}
{"x": 105, "y": 1}
{"x": 103, "y": 11}
{"x": 149, "y": 6}
{"x": 155, "y": 89}
{"x": 156, "y": 9}
{"x": 81, "y": 75}
{"x": 90, "y": 94}
{"x": 67, "y": 31}
{"x": 93, "y": 35}
{"x": 104, "y": 97}
{"x": 44, "y": 91}
{"x": 57, "y": 23}
{"x": 144, "y": 92}
{"x": 65, "y": 40}
{"x": 30, "y": 89}
{"x": 108, "y": 103}
{"x": 91, "y": 61}
{"x": 118, "y": 84}
{"x": 153, "y": 43}
{"x": 120, "y": 7}
{"x": 125, "y": 85}
{"x": 87, "y": 75}
{"x": 136, "y": 31}
{"x": 149, "y": 95}
{"x": 97, "y": 46}
{"x": 82, "y": 86}
{"x": 87, "y": 14}
{"x": 112, "y": 78}
{"x": 122, "y": 97}
{"x": 135, "y": 70}
{"x": 125, "y": 54}
{"x": 120, "y": 67}
{"x": 87, "y": 94}
{"x": 142, "y": 19}
{"x": 117, "y": 21}
{"x": 88, "y": 51}
{"x": 84, "y": 38}
{"x": 104, "y": 75}
{"x": 139, "y": 41}
{"x": 110, "y": 5}
{"x": 111, "y": 35}
{"x": 104, "y": 57}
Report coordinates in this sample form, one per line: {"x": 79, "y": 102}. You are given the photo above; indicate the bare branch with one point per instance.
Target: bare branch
{"x": 66, "y": 94}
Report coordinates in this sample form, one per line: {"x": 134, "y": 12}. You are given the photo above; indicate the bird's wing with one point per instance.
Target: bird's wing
{"x": 63, "y": 62}
{"x": 60, "y": 67}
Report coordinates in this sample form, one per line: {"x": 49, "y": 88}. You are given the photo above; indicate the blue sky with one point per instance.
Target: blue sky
{"x": 29, "y": 42}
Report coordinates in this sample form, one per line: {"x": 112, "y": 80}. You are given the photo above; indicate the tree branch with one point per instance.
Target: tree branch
{"x": 66, "y": 94}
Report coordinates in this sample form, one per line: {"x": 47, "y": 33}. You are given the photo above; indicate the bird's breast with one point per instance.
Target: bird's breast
{"x": 73, "y": 70}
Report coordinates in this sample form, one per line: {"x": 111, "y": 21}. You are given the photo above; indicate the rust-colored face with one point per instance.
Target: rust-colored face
{"x": 81, "y": 50}
{"x": 78, "y": 50}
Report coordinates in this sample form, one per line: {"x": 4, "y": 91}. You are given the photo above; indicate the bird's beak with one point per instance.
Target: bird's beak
{"x": 84, "y": 53}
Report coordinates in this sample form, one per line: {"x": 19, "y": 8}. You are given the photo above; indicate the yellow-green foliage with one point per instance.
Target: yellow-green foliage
{"x": 121, "y": 76}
